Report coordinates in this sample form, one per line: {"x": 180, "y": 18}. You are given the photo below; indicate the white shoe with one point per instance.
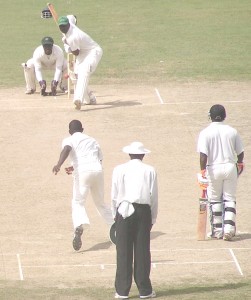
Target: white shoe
{"x": 228, "y": 236}
{"x": 30, "y": 92}
{"x": 93, "y": 99}
{"x": 77, "y": 104}
{"x": 152, "y": 295}
{"x": 217, "y": 236}
{"x": 117, "y": 296}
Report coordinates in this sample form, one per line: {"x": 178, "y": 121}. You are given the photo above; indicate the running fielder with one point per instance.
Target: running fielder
{"x": 88, "y": 54}
{"x": 47, "y": 56}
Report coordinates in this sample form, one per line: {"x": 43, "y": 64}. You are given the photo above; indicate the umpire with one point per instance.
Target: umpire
{"x": 135, "y": 208}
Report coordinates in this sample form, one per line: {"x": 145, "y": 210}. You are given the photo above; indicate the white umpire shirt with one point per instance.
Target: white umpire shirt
{"x": 86, "y": 154}
{"x": 220, "y": 142}
{"x": 135, "y": 182}
{"x": 44, "y": 61}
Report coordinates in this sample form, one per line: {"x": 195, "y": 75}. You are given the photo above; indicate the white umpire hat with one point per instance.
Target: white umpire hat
{"x": 135, "y": 148}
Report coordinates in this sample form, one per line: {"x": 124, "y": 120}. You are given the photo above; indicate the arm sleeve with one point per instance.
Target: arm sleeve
{"x": 114, "y": 193}
{"x": 202, "y": 144}
{"x": 239, "y": 145}
{"x": 37, "y": 66}
{"x": 154, "y": 197}
{"x": 59, "y": 63}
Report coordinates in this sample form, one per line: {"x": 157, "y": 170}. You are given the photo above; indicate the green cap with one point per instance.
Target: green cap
{"x": 47, "y": 40}
{"x": 63, "y": 21}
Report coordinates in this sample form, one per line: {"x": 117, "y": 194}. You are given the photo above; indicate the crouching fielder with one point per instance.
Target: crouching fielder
{"x": 47, "y": 56}
{"x": 221, "y": 161}
{"x": 88, "y": 54}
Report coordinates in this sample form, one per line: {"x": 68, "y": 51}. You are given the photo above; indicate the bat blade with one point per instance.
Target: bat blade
{"x": 202, "y": 217}
{"x": 53, "y": 12}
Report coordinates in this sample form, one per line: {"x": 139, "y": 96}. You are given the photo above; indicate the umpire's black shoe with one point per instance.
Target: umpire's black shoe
{"x": 77, "y": 243}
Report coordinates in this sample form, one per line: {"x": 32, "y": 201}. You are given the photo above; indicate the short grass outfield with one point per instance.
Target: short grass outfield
{"x": 31, "y": 291}
{"x": 144, "y": 42}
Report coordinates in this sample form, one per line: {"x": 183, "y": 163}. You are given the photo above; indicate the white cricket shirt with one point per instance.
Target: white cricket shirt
{"x": 220, "y": 142}
{"x": 135, "y": 182}
{"x": 44, "y": 61}
{"x": 77, "y": 39}
{"x": 86, "y": 154}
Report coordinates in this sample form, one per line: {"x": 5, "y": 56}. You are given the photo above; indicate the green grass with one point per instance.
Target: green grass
{"x": 144, "y": 41}
{"x": 33, "y": 291}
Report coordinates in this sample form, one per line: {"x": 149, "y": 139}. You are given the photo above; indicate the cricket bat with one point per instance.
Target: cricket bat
{"x": 202, "y": 218}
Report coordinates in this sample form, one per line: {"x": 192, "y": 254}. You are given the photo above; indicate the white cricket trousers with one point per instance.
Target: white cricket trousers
{"x": 30, "y": 74}
{"x": 84, "y": 69}
{"x": 82, "y": 184}
{"x": 222, "y": 198}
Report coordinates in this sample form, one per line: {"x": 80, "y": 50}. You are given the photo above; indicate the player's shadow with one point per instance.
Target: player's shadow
{"x": 111, "y": 104}
{"x": 241, "y": 237}
{"x": 108, "y": 244}
{"x": 100, "y": 246}
{"x": 156, "y": 234}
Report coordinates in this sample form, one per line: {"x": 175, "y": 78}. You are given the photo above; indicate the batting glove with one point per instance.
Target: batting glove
{"x": 202, "y": 181}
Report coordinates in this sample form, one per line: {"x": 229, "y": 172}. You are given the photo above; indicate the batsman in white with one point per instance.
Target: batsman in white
{"x": 88, "y": 54}
{"x": 47, "y": 56}
{"x": 221, "y": 162}
{"x": 86, "y": 157}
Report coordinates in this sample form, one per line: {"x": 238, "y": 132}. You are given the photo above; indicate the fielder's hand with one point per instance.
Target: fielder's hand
{"x": 54, "y": 85}
{"x": 69, "y": 170}
{"x": 240, "y": 168}
{"x": 55, "y": 169}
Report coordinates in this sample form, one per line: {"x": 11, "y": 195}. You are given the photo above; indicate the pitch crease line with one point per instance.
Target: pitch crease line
{"x": 236, "y": 261}
{"x": 21, "y": 275}
{"x": 159, "y": 97}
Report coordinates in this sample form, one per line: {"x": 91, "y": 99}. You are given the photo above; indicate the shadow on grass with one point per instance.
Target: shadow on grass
{"x": 195, "y": 290}
{"x": 32, "y": 290}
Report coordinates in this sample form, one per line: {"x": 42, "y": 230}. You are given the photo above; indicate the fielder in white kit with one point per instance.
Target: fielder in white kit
{"x": 86, "y": 168}
{"x": 47, "y": 56}
{"x": 88, "y": 54}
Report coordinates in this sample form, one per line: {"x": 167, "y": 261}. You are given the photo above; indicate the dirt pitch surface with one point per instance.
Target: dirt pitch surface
{"x": 35, "y": 222}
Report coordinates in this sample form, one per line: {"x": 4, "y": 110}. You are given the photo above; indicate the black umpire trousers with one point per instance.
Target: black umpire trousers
{"x": 133, "y": 245}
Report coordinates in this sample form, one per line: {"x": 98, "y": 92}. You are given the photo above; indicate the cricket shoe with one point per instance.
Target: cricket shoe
{"x": 117, "y": 296}
{"x": 29, "y": 92}
{"x": 77, "y": 104}
{"x": 77, "y": 242}
{"x": 92, "y": 98}
{"x": 152, "y": 295}
{"x": 228, "y": 236}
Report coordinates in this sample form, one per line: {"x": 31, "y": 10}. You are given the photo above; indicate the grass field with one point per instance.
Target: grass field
{"x": 145, "y": 42}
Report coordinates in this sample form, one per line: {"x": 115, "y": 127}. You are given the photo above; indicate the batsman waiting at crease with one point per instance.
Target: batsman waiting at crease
{"x": 88, "y": 54}
{"x": 47, "y": 56}
{"x": 221, "y": 162}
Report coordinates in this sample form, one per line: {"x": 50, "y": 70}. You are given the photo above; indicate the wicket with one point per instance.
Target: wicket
{"x": 70, "y": 72}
